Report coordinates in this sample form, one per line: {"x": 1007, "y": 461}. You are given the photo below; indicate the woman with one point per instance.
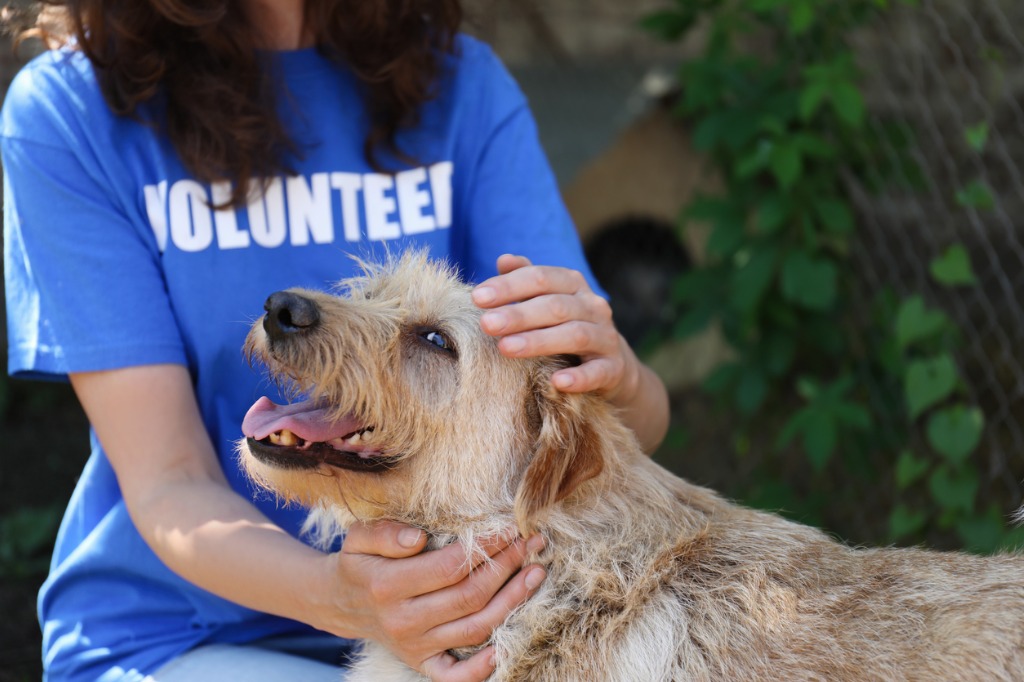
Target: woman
{"x": 167, "y": 167}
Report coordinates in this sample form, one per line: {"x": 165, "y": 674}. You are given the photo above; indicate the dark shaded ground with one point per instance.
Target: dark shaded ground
{"x": 44, "y": 438}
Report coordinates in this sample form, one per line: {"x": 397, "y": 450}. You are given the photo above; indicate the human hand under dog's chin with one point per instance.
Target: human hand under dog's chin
{"x": 547, "y": 310}
{"x": 420, "y": 605}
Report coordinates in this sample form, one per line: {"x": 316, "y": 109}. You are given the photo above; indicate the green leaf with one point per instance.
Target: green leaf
{"x": 773, "y": 212}
{"x": 983, "y": 532}
{"x": 668, "y": 25}
{"x": 916, "y": 323}
{"x": 976, "y": 195}
{"x": 811, "y": 98}
{"x": 793, "y": 427}
{"x": 801, "y": 17}
{"x": 953, "y": 267}
{"x": 722, "y": 378}
{"x": 955, "y": 431}
{"x": 841, "y": 386}
{"x": 707, "y": 209}
{"x": 814, "y": 145}
{"x": 977, "y": 136}
{"x": 697, "y": 284}
{"x": 835, "y": 215}
{"x": 766, "y": 5}
{"x": 750, "y": 281}
{"x": 777, "y": 351}
{"x": 727, "y": 224}
{"x": 852, "y": 415}
{"x": 808, "y": 389}
{"x": 709, "y": 132}
{"x": 809, "y": 282}
{"x": 751, "y": 390}
{"x": 848, "y": 104}
{"x": 905, "y": 521}
{"x": 756, "y": 161}
{"x": 725, "y": 238}
{"x": 694, "y": 320}
{"x": 929, "y": 381}
{"x": 1013, "y": 540}
{"x": 909, "y": 469}
{"x": 786, "y": 164}
{"x": 820, "y": 440}
{"x": 954, "y": 489}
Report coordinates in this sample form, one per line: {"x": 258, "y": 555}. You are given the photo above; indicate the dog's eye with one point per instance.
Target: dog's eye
{"x": 437, "y": 339}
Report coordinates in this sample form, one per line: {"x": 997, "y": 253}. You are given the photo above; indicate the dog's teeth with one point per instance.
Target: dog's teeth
{"x": 275, "y": 438}
{"x": 367, "y": 435}
{"x": 354, "y": 439}
{"x": 288, "y": 438}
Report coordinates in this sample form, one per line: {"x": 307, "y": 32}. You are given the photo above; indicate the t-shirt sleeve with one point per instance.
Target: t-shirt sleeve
{"x": 84, "y": 286}
{"x": 513, "y": 201}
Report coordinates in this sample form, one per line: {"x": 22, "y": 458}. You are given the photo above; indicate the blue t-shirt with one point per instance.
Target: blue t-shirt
{"x": 114, "y": 258}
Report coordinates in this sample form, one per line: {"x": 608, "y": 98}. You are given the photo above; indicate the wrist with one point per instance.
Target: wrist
{"x": 624, "y": 396}
{"x": 320, "y": 600}
{"x": 642, "y": 401}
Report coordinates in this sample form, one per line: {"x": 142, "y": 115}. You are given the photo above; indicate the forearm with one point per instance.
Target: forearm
{"x": 181, "y": 503}
{"x": 215, "y": 539}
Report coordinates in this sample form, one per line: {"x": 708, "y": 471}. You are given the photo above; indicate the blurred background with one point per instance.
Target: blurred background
{"x": 808, "y": 215}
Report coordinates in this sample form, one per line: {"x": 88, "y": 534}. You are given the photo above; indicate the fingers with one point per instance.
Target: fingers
{"x": 547, "y": 310}
{"x": 465, "y": 613}
{"x": 477, "y": 592}
{"x": 593, "y": 375}
{"x": 444, "y": 667}
{"x": 509, "y": 262}
{"x": 450, "y": 565}
{"x": 553, "y": 324}
{"x": 430, "y": 572}
{"x": 476, "y": 626}
{"x": 539, "y": 310}
{"x": 554, "y": 299}
{"x": 388, "y": 539}
{"x": 523, "y": 281}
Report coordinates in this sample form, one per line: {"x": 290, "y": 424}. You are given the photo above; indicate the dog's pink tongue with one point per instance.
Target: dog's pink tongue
{"x": 305, "y": 419}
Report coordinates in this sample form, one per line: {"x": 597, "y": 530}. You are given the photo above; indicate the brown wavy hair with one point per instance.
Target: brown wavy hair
{"x": 198, "y": 60}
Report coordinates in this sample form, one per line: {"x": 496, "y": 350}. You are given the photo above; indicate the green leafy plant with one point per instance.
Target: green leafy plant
{"x": 933, "y": 394}
{"x": 775, "y": 104}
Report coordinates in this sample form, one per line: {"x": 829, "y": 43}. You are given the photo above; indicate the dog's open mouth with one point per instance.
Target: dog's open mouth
{"x": 303, "y": 436}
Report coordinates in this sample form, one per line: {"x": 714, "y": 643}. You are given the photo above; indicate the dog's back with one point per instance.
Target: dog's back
{"x": 712, "y": 591}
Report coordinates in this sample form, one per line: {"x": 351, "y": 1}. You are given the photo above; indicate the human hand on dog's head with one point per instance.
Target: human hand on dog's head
{"x": 544, "y": 310}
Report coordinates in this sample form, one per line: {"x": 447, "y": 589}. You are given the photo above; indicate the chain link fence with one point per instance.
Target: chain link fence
{"x": 939, "y": 69}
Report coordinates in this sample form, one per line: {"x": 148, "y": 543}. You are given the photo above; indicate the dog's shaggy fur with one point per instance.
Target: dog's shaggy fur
{"x": 649, "y": 577}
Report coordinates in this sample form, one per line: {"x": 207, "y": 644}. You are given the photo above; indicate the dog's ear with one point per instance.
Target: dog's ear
{"x": 569, "y": 449}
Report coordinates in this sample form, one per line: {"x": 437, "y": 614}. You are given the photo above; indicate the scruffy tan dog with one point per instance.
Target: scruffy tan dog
{"x": 415, "y": 416}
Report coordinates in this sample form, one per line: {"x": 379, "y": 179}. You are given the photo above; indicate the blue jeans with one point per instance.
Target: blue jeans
{"x": 282, "y": 659}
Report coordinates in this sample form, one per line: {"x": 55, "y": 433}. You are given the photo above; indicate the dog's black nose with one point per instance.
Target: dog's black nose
{"x": 288, "y": 313}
